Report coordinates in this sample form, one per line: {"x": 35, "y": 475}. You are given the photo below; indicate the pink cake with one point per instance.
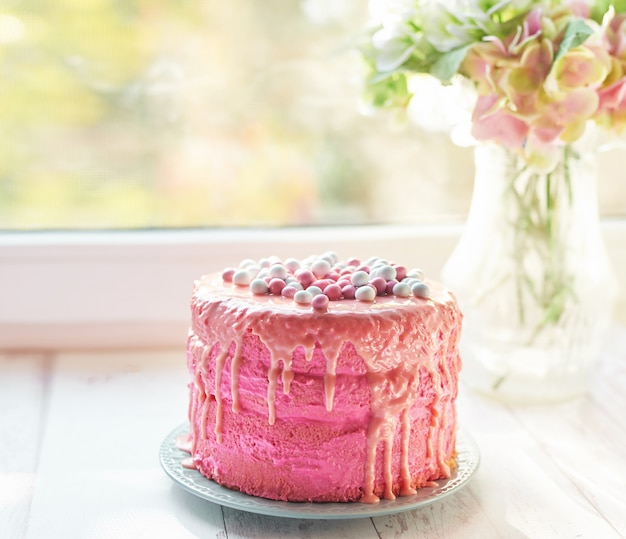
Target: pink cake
{"x": 323, "y": 381}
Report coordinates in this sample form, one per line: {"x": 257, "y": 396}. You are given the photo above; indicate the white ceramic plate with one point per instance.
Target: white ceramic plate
{"x": 468, "y": 459}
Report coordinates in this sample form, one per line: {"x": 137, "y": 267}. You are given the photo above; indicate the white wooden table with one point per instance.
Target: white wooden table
{"x": 80, "y": 434}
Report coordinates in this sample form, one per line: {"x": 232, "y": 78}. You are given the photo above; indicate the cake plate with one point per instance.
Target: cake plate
{"x": 468, "y": 458}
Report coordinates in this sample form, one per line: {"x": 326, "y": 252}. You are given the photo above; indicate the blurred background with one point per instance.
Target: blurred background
{"x": 133, "y": 114}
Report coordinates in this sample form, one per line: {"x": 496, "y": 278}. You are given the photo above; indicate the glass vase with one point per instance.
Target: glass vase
{"x": 532, "y": 278}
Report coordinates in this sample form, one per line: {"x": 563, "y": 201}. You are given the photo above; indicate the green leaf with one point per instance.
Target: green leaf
{"x": 447, "y": 65}
{"x": 576, "y": 33}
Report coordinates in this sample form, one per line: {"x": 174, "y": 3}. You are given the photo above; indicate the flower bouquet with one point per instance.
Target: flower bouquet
{"x": 541, "y": 69}
{"x": 530, "y": 270}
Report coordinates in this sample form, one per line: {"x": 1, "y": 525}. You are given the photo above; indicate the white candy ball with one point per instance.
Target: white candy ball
{"x": 303, "y": 297}
{"x": 420, "y": 290}
{"x": 314, "y": 290}
{"x": 365, "y": 293}
{"x": 320, "y": 268}
{"x": 416, "y": 273}
{"x": 402, "y": 290}
{"x": 292, "y": 264}
{"x": 279, "y": 271}
{"x": 242, "y": 278}
{"x": 386, "y": 272}
{"x": 359, "y": 278}
{"x": 259, "y": 287}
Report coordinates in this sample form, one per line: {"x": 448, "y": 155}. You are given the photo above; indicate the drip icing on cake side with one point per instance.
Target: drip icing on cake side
{"x": 396, "y": 344}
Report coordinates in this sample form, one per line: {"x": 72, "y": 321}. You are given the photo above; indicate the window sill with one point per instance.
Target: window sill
{"x": 131, "y": 289}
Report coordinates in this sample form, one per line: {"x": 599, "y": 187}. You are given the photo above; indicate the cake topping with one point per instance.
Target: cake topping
{"x": 326, "y": 276}
{"x": 259, "y": 287}
{"x": 242, "y": 277}
{"x": 396, "y": 350}
{"x": 304, "y": 297}
{"x": 320, "y": 302}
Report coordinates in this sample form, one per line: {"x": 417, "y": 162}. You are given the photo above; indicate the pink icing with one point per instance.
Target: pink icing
{"x": 351, "y": 403}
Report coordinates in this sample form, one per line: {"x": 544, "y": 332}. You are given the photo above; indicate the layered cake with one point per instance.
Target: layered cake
{"x": 320, "y": 380}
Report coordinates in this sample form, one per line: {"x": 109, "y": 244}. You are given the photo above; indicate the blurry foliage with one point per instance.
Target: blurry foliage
{"x": 151, "y": 113}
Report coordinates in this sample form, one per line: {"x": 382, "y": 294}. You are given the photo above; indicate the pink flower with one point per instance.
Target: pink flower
{"x": 611, "y": 112}
{"x": 491, "y": 123}
{"x": 614, "y": 96}
{"x": 566, "y": 116}
{"x": 616, "y": 36}
{"x": 580, "y": 8}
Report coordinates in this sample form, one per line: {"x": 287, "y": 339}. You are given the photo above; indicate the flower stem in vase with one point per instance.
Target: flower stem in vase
{"x": 539, "y": 246}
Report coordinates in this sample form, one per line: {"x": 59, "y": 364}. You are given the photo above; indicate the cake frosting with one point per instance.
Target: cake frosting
{"x": 324, "y": 381}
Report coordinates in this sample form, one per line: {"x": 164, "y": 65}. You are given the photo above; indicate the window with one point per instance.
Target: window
{"x": 185, "y": 114}
{"x": 167, "y": 113}
{"x": 175, "y": 114}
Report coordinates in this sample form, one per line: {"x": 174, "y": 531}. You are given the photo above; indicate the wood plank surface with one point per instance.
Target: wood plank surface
{"x": 23, "y": 389}
{"x": 79, "y": 458}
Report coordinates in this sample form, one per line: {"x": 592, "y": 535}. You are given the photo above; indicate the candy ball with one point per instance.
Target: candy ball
{"x": 387, "y": 272}
{"x": 320, "y": 268}
{"x": 279, "y": 271}
{"x": 276, "y": 286}
{"x": 402, "y": 290}
{"x": 253, "y": 270}
{"x": 360, "y": 278}
{"x": 320, "y": 302}
{"x": 365, "y": 293}
{"x": 303, "y": 297}
{"x": 390, "y": 285}
{"x": 259, "y": 287}
{"x": 314, "y": 290}
{"x": 305, "y": 277}
{"x": 289, "y": 291}
{"x": 333, "y": 292}
{"x": 348, "y": 291}
{"x": 420, "y": 290}
{"x": 379, "y": 284}
{"x": 321, "y": 283}
{"x": 292, "y": 264}
{"x": 416, "y": 274}
{"x": 400, "y": 272}
{"x": 241, "y": 278}
{"x": 247, "y": 262}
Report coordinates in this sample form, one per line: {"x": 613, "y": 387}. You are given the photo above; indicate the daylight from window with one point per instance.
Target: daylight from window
{"x": 173, "y": 113}
{"x": 155, "y": 113}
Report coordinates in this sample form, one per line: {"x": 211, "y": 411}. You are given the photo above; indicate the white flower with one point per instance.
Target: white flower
{"x": 393, "y": 50}
{"x": 391, "y": 12}
{"x": 451, "y": 24}
{"x": 394, "y": 41}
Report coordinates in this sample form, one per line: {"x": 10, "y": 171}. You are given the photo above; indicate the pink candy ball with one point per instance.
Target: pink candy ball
{"x": 288, "y": 292}
{"x": 227, "y": 275}
{"x": 379, "y": 284}
{"x": 320, "y": 302}
{"x": 389, "y": 288}
{"x": 322, "y": 283}
{"x": 276, "y": 286}
{"x": 333, "y": 292}
{"x": 320, "y": 268}
{"x": 400, "y": 272}
{"x": 305, "y": 277}
{"x": 348, "y": 291}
